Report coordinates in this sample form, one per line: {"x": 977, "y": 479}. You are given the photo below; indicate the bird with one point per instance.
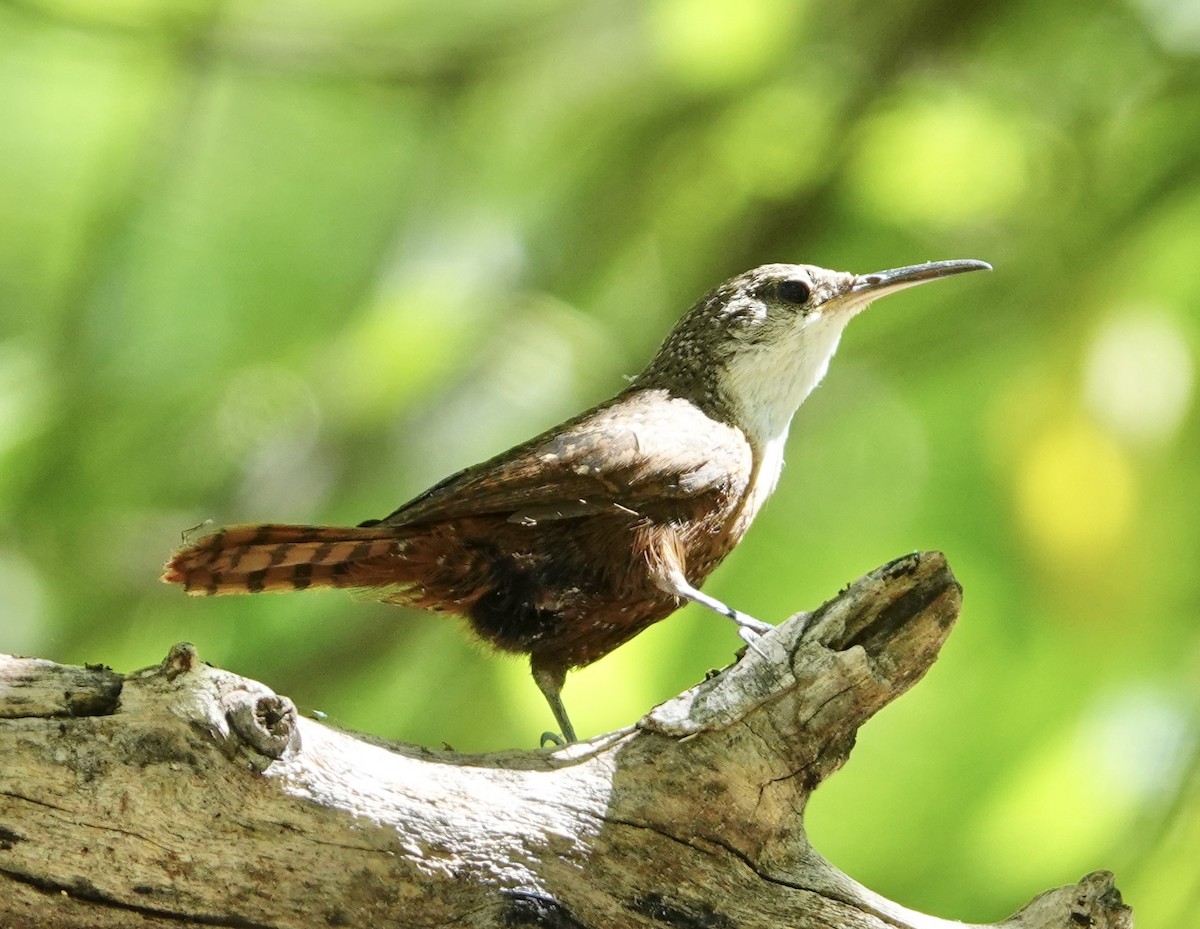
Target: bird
{"x": 568, "y": 545}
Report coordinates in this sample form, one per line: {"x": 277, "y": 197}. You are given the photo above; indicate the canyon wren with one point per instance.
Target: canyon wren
{"x": 572, "y": 543}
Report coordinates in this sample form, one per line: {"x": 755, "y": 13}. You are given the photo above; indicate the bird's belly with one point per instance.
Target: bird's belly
{"x": 569, "y": 591}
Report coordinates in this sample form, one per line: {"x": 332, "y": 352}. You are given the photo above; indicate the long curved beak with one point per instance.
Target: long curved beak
{"x": 876, "y": 285}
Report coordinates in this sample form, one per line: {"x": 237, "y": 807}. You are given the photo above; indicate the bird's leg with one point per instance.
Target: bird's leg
{"x": 550, "y": 680}
{"x": 749, "y": 628}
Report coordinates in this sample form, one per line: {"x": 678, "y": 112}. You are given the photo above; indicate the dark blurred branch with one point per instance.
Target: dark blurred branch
{"x": 200, "y": 797}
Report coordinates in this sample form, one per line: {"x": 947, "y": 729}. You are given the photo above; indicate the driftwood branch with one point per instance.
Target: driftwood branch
{"x": 186, "y": 795}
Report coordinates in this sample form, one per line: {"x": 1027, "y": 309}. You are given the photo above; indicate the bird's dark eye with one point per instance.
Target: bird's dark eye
{"x": 793, "y": 291}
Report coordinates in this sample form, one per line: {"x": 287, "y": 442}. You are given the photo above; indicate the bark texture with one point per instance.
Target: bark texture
{"x": 186, "y": 795}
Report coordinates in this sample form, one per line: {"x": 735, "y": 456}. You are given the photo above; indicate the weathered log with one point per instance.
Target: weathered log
{"x": 186, "y": 795}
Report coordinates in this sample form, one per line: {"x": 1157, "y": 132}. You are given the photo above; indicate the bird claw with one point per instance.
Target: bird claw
{"x": 749, "y": 626}
{"x": 551, "y": 738}
{"x": 748, "y": 635}
{"x": 751, "y": 637}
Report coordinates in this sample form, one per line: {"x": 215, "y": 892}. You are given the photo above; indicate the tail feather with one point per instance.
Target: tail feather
{"x": 250, "y": 559}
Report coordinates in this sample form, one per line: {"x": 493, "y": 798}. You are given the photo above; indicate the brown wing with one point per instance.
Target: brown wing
{"x": 640, "y": 451}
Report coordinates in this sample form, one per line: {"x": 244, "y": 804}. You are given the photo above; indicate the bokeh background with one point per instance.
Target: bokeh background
{"x": 296, "y": 261}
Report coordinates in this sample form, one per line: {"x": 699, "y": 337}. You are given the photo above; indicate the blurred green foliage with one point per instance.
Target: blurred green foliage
{"x": 295, "y": 261}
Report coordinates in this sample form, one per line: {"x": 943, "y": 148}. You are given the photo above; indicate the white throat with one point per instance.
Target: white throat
{"x": 767, "y": 383}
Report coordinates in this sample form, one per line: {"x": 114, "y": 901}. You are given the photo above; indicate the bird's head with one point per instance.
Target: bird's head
{"x": 759, "y": 343}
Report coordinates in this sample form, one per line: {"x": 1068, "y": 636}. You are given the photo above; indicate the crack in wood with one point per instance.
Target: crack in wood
{"x": 86, "y": 891}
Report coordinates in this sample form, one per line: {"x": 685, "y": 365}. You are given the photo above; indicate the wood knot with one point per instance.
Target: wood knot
{"x": 264, "y": 722}
{"x": 180, "y": 660}
{"x": 1098, "y": 903}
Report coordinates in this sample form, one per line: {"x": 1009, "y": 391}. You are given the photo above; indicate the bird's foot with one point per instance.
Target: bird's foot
{"x": 748, "y": 626}
{"x": 751, "y": 637}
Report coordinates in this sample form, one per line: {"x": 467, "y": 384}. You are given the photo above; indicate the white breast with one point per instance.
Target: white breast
{"x": 770, "y": 465}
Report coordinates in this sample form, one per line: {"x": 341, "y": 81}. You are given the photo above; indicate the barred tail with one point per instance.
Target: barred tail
{"x": 250, "y": 559}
